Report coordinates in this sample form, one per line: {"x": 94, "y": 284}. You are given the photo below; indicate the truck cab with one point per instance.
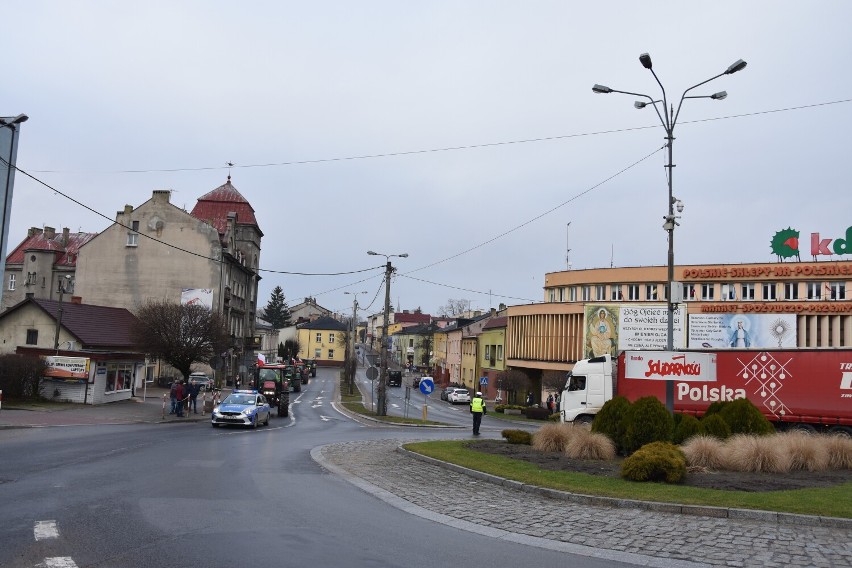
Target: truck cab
{"x": 590, "y": 384}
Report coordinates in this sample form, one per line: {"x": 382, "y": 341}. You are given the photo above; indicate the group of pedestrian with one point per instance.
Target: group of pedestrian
{"x": 184, "y": 397}
{"x": 553, "y": 402}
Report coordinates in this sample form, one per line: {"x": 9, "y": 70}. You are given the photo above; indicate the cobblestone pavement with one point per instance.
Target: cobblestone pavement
{"x": 642, "y": 537}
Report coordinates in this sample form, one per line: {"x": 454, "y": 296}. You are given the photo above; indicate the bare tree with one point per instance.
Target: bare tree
{"x": 454, "y": 308}
{"x": 20, "y": 375}
{"x": 513, "y": 382}
{"x": 553, "y": 381}
{"x": 180, "y": 334}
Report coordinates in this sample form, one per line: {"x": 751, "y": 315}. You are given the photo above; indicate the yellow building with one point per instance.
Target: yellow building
{"x": 469, "y": 374}
{"x": 491, "y": 345}
{"x": 323, "y": 340}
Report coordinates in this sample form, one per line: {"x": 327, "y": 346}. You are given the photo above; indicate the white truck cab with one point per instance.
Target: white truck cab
{"x": 590, "y": 384}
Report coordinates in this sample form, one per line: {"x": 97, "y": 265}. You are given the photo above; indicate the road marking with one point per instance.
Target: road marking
{"x": 60, "y": 562}
{"x": 317, "y": 405}
{"x": 324, "y": 418}
{"x": 45, "y": 529}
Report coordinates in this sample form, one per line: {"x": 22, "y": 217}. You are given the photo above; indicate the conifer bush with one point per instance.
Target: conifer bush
{"x": 685, "y": 428}
{"x": 611, "y": 421}
{"x": 714, "y": 425}
{"x": 517, "y": 436}
{"x": 744, "y": 417}
{"x": 647, "y": 421}
{"x": 657, "y": 461}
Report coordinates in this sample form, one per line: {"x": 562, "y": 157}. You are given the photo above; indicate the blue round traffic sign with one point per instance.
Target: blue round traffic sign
{"x": 427, "y": 385}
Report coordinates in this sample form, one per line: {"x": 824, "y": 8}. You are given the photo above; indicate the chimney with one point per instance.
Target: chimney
{"x": 128, "y": 209}
{"x": 49, "y": 233}
{"x": 161, "y": 195}
{"x": 65, "y": 232}
{"x": 33, "y": 231}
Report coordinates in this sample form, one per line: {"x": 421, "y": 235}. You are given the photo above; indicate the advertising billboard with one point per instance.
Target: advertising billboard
{"x": 202, "y": 296}
{"x": 670, "y": 365}
{"x": 74, "y": 369}
{"x": 742, "y": 331}
{"x": 611, "y": 328}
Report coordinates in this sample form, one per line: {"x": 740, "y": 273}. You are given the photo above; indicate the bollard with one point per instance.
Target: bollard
{"x": 164, "y": 407}
{"x": 1, "y": 399}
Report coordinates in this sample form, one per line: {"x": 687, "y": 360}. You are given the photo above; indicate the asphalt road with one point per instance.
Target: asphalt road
{"x": 181, "y": 495}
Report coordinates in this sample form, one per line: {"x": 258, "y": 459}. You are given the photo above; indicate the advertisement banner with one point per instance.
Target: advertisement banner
{"x": 612, "y": 328}
{"x": 742, "y": 331}
{"x": 202, "y": 296}
{"x": 670, "y": 365}
{"x": 67, "y": 367}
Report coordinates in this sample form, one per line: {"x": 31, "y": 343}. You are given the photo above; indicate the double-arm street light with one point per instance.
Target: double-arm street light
{"x": 668, "y": 118}
{"x": 382, "y": 401}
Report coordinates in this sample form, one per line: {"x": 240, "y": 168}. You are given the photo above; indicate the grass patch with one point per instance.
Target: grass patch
{"x": 831, "y": 501}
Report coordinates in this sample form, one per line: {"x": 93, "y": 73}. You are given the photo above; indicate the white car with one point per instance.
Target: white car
{"x": 459, "y": 396}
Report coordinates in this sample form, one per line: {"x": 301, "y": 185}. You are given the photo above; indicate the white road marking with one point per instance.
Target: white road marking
{"x": 45, "y": 529}
{"x": 324, "y": 418}
{"x": 317, "y": 405}
{"x": 60, "y": 562}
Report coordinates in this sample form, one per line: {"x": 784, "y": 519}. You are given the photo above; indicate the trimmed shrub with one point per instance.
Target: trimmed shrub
{"x": 586, "y": 445}
{"x": 20, "y": 376}
{"x": 555, "y": 417}
{"x": 648, "y": 421}
{"x": 714, "y": 408}
{"x": 685, "y": 428}
{"x": 517, "y": 436}
{"x": 745, "y": 418}
{"x": 805, "y": 451}
{"x": 611, "y": 421}
{"x": 502, "y": 407}
{"x": 657, "y": 461}
{"x": 704, "y": 451}
{"x": 744, "y": 452}
{"x": 839, "y": 448}
{"x": 552, "y": 437}
{"x": 536, "y": 413}
{"x": 714, "y": 425}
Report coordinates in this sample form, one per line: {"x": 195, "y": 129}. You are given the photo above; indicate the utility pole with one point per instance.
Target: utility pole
{"x": 381, "y": 397}
{"x": 354, "y": 366}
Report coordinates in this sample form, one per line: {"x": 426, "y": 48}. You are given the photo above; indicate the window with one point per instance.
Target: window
{"x": 562, "y": 294}
{"x": 31, "y": 278}
{"x": 708, "y": 291}
{"x": 499, "y": 352}
{"x": 487, "y": 352}
{"x": 600, "y": 292}
{"x": 317, "y": 353}
{"x": 729, "y": 292}
{"x": 133, "y": 237}
{"x": 119, "y": 377}
{"x": 615, "y": 293}
{"x": 411, "y": 342}
{"x": 633, "y": 292}
{"x": 747, "y": 291}
{"x": 769, "y": 291}
{"x": 331, "y": 353}
{"x": 835, "y": 290}
{"x": 587, "y": 293}
{"x": 689, "y": 292}
{"x": 552, "y": 295}
{"x": 319, "y": 337}
{"x": 12, "y": 278}
{"x": 572, "y": 294}
{"x": 791, "y": 290}
{"x": 32, "y": 337}
{"x": 331, "y": 338}
{"x": 650, "y": 291}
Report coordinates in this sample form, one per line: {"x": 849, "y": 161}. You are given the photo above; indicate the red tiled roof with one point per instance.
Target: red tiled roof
{"x": 401, "y": 317}
{"x": 66, "y": 254}
{"x": 214, "y": 207}
{"x": 496, "y": 322}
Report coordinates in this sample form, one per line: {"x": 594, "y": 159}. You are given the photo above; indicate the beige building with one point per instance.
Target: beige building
{"x": 771, "y": 305}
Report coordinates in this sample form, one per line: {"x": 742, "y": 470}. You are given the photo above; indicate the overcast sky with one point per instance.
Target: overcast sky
{"x": 482, "y": 114}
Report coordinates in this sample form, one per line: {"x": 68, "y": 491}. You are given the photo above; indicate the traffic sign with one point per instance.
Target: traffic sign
{"x": 427, "y": 385}
{"x": 483, "y": 381}
{"x": 372, "y": 373}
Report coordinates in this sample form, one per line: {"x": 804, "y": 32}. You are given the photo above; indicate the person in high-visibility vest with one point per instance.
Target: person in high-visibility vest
{"x": 477, "y": 408}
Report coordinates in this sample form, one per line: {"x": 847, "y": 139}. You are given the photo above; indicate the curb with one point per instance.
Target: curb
{"x": 620, "y": 503}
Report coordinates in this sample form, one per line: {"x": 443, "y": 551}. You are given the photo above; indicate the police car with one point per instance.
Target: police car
{"x": 243, "y": 408}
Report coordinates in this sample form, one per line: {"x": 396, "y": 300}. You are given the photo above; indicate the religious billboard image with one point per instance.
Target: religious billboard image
{"x": 614, "y": 328}
{"x": 742, "y": 331}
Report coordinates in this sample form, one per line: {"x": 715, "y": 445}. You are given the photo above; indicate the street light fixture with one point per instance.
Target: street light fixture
{"x": 668, "y": 118}
{"x": 382, "y": 401}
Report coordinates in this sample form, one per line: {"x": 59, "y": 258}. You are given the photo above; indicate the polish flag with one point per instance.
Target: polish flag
{"x": 261, "y": 359}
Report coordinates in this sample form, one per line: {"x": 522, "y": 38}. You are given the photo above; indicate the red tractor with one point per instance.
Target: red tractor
{"x": 273, "y": 383}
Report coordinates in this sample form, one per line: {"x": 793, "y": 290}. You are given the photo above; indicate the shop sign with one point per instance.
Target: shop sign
{"x": 67, "y": 367}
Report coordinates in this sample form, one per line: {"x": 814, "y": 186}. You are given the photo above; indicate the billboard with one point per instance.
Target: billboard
{"x": 670, "y": 365}
{"x": 67, "y": 368}
{"x": 202, "y": 296}
{"x": 742, "y": 331}
{"x": 611, "y": 328}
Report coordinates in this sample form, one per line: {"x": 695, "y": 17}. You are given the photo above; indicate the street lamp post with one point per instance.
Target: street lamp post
{"x": 354, "y": 331}
{"x": 9, "y": 127}
{"x": 668, "y": 118}
{"x": 67, "y": 280}
{"x": 382, "y": 401}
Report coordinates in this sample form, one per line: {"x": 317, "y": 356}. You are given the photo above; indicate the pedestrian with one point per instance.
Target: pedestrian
{"x": 179, "y": 395}
{"x": 477, "y": 408}
{"x": 193, "y": 397}
{"x": 550, "y": 403}
{"x": 530, "y": 399}
{"x": 173, "y": 397}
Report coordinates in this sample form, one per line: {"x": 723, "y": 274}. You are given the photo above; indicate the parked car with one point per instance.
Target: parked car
{"x": 394, "y": 378}
{"x": 446, "y": 391}
{"x": 201, "y": 379}
{"x": 459, "y": 396}
{"x": 243, "y": 408}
